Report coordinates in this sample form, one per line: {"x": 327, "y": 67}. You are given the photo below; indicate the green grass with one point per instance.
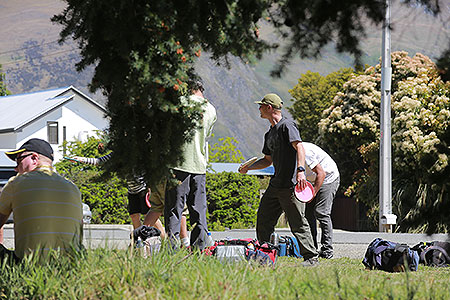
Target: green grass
{"x": 121, "y": 274}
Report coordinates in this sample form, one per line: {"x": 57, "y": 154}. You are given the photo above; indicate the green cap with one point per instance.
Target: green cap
{"x": 271, "y": 99}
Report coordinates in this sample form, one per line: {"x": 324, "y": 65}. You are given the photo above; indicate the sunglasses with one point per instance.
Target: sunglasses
{"x": 19, "y": 159}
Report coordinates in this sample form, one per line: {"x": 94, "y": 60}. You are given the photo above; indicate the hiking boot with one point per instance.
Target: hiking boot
{"x": 310, "y": 262}
{"x": 326, "y": 255}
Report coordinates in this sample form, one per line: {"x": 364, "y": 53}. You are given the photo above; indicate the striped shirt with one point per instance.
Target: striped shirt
{"x": 47, "y": 212}
{"x": 134, "y": 185}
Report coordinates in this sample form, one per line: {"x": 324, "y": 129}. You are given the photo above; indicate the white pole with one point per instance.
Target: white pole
{"x": 386, "y": 218}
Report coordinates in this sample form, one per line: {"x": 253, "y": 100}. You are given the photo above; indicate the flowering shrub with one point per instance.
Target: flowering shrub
{"x": 420, "y": 124}
{"x": 422, "y": 116}
{"x": 351, "y": 122}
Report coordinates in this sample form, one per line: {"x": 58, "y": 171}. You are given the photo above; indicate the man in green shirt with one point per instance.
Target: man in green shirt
{"x": 47, "y": 208}
{"x": 192, "y": 176}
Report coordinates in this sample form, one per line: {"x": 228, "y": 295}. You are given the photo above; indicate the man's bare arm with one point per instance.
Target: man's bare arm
{"x": 320, "y": 176}
{"x": 301, "y": 177}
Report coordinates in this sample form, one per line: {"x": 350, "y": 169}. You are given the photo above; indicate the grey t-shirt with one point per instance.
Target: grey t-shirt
{"x": 277, "y": 144}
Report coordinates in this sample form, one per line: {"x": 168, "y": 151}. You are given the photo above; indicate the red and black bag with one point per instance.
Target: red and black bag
{"x": 240, "y": 249}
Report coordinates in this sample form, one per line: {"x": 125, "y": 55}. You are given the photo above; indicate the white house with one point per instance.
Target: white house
{"x": 57, "y": 115}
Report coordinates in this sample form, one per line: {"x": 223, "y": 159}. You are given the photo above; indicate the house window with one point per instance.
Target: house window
{"x": 52, "y": 132}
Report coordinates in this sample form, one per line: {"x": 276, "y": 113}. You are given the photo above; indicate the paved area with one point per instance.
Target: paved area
{"x": 346, "y": 243}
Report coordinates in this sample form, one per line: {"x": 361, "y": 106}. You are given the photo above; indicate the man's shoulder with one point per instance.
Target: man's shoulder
{"x": 12, "y": 179}
{"x": 287, "y": 121}
{"x": 52, "y": 175}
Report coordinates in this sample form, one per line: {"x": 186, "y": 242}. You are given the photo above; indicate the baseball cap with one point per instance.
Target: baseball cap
{"x": 34, "y": 145}
{"x": 271, "y": 99}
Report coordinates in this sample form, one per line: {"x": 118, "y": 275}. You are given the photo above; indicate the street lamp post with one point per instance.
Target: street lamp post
{"x": 386, "y": 218}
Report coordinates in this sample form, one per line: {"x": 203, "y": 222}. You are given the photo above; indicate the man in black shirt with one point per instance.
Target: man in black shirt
{"x": 283, "y": 147}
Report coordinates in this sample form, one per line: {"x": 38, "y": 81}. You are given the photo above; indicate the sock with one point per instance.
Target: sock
{"x": 185, "y": 242}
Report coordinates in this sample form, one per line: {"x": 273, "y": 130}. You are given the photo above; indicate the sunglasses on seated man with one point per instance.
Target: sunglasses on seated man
{"x": 19, "y": 159}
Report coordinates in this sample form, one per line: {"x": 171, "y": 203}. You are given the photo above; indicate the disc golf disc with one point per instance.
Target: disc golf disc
{"x": 147, "y": 199}
{"x": 249, "y": 162}
{"x": 305, "y": 195}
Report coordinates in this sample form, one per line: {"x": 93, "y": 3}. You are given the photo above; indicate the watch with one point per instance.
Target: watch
{"x": 301, "y": 169}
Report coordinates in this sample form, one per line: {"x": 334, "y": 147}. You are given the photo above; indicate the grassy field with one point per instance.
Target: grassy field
{"x": 114, "y": 274}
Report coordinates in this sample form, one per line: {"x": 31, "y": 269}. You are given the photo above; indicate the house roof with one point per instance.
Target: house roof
{"x": 19, "y": 110}
{"x": 232, "y": 167}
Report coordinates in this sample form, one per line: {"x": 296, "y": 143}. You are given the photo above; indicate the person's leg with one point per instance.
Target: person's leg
{"x": 174, "y": 202}
{"x": 184, "y": 233}
{"x": 267, "y": 216}
{"x": 310, "y": 216}
{"x": 1, "y": 235}
{"x": 295, "y": 213}
{"x": 197, "y": 207}
{"x": 152, "y": 219}
{"x": 154, "y": 207}
{"x": 324, "y": 203}
{"x": 136, "y": 220}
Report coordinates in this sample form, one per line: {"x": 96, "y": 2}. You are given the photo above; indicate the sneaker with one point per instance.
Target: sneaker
{"x": 310, "y": 262}
{"x": 326, "y": 255}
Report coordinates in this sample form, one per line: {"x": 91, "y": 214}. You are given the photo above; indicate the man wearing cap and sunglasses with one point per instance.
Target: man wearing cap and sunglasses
{"x": 47, "y": 208}
{"x": 283, "y": 147}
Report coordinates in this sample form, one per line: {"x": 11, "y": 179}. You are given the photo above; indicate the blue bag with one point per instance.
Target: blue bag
{"x": 288, "y": 246}
{"x": 391, "y": 257}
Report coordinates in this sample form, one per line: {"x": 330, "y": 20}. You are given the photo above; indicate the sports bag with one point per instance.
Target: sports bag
{"x": 435, "y": 254}
{"x": 243, "y": 249}
{"x": 288, "y": 246}
{"x": 391, "y": 257}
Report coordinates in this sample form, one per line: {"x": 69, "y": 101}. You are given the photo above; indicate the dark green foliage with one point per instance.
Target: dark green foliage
{"x": 106, "y": 197}
{"x": 312, "y": 95}
{"x": 233, "y": 200}
{"x": 107, "y": 200}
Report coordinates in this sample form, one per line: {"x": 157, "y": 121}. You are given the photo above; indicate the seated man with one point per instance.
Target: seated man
{"x": 47, "y": 208}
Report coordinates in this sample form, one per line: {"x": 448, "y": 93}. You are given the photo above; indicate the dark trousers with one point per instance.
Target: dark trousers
{"x": 320, "y": 209}
{"x": 191, "y": 191}
{"x": 273, "y": 203}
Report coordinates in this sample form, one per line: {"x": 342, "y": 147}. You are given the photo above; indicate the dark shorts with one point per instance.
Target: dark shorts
{"x": 137, "y": 203}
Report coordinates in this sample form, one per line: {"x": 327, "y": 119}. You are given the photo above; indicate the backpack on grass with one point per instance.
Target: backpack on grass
{"x": 288, "y": 246}
{"x": 435, "y": 254}
{"x": 391, "y": 257}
